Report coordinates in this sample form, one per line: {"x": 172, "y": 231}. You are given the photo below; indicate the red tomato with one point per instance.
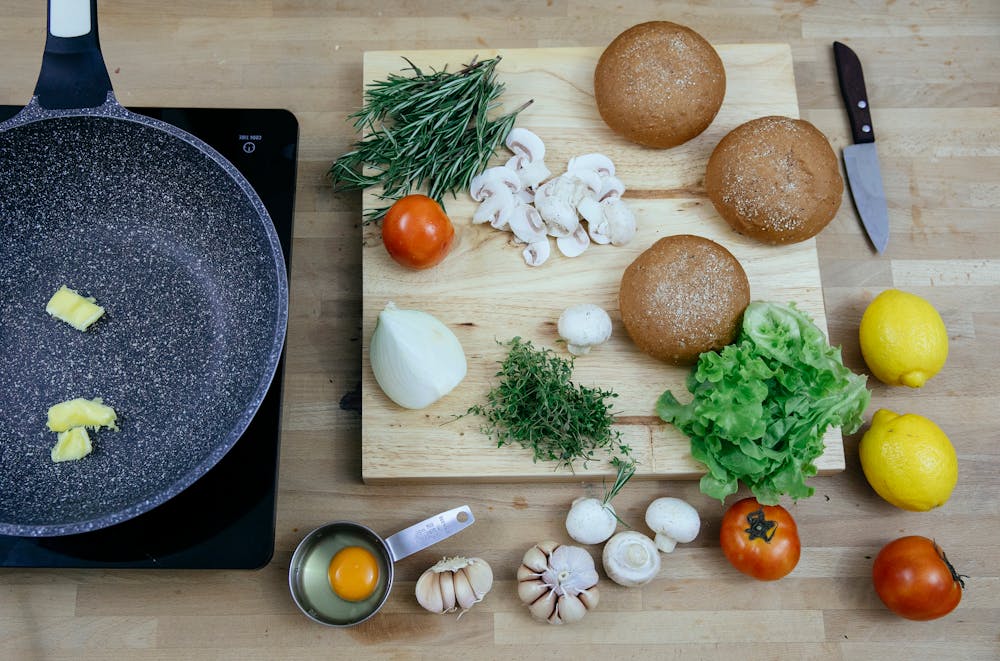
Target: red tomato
{"x": 914, "y": 579}
{"x": 416, "y": 232}
{"x": 760, "y": 540}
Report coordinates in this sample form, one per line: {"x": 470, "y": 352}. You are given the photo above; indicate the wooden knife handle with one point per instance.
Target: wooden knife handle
{"x": 852, "y": 88}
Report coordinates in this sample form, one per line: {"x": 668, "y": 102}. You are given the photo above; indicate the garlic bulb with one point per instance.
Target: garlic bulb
{"x": 416, "y": 359}
{"x": 557, "y": 582}
{"x": 454, "y": 583}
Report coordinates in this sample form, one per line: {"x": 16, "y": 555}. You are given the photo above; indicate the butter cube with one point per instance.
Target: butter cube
{"x": 71, "y": 445}
{"x": 77, "y": 311}
{"x": 79, "y": 412}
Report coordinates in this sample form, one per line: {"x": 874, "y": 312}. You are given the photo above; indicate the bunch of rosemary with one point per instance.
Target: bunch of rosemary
{"x": 536, "y": 406}
{"x": 426, "y": 130}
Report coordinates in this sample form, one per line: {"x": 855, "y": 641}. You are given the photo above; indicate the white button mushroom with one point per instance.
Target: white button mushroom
{"x": 591, "y": 521}
{"x": 674, "y": 521}
{"x": 631, "y": 559}
{"x": 584, "y": 326}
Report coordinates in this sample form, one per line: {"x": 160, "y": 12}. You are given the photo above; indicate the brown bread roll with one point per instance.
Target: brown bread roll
{"x": 775, "y": 179}
{"x": 684, "y": 295}
{"x": 659, "y": 84}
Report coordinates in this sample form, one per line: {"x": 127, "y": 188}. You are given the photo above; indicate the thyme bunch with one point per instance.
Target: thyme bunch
{"x": 537, "y": 406}
{"x": 427, "y": 130}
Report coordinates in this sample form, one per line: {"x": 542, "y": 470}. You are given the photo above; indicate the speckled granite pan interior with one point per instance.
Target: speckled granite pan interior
{"x": 173, "y": 242}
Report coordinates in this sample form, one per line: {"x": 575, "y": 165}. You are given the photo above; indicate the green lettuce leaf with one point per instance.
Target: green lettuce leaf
{"x": 761, "y": 405}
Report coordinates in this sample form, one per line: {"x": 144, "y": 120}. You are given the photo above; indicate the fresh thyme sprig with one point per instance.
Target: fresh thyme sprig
{"x": 425, "y": 131}
{"x": 537, "y": 406}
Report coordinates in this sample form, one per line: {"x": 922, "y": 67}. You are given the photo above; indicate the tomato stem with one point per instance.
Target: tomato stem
{"x": 958, "y": 578}
{"x": 761, "y": 527}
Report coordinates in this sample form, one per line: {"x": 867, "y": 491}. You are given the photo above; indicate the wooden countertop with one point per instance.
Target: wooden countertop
{"x": 934, "y": 86}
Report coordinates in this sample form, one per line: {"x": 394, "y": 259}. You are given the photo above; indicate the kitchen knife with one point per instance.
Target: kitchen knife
{"x": 860, "y": 159}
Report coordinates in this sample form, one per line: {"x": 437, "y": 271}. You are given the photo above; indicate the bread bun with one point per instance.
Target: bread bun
{"x": 684, "y": 295}
{"x": 775, "y": 179}
{"x": 659, "y": 84}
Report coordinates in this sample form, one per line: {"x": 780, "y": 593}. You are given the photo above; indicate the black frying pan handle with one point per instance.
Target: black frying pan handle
{"x": 73, "y": 72}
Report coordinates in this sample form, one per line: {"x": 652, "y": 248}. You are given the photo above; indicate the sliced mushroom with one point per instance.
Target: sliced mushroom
{"x": 493, "y": 181}
{"x": 593, "y": 212}
{"x": 526, "y": 224}
{"x": 620, "y": 220}
{"x": 536, "y": 253}
{"x": 589, "y": 180}
{"x": 574, "y": 244}
{"x": 522, "y": 141}
{"x": 496, "y": 209}
{"x": 611, "y": 186}
{"x": 598, "y": 163}
{"x": 554, "y": 204}
{"x": 533, "y": 174}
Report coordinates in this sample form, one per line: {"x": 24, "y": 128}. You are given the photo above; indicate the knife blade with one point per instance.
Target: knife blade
{"x": 864, "y": 175}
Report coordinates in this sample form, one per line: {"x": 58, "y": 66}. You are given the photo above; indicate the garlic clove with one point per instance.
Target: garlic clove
{"x": 446, "y": 581}
{"x": 465, "y": 596}
{"x": 531, "y": 590}
{"x": 429, "y": 593}
{"x": 545, "y": 607}
{"x": 480, "y": 576}
{"x": 590, "y": 598}
{"x": 571, "y": 609}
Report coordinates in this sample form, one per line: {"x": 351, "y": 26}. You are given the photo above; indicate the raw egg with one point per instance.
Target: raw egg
{"x": 353, "y": 573}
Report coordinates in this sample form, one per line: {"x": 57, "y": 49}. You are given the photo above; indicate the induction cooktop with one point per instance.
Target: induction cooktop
{"x": 226, "y": 519}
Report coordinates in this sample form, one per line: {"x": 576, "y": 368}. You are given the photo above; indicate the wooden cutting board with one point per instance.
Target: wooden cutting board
{"x": 485, "y": 292}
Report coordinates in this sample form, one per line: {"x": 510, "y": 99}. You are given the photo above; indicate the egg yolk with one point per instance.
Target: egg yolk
{"x": 353, "y": 573}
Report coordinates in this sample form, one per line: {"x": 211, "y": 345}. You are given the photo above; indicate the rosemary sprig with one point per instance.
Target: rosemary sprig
{"x": 626, "y": 469}
{"x": 425, "y": 131}
{"x": 537, "y": 406}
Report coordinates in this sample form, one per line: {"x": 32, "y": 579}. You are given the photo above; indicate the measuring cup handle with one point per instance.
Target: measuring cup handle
{"x": 430, "y": 531}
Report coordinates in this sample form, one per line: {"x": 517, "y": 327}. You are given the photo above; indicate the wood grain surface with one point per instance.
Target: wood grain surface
{"x": 486, "y": 294}
{"x": 934, "y": 89}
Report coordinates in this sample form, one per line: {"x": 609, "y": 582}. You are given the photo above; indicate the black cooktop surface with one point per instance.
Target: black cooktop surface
{"x": 226, "y": 519}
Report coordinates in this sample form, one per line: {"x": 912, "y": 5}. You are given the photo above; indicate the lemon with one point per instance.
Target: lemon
{"x": 908, "y": 460}
{"x": 903, "y": 339}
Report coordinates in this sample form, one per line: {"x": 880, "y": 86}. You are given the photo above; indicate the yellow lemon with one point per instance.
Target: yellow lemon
{"x": 903, "y": 339}
{"x": 908, "y": 460}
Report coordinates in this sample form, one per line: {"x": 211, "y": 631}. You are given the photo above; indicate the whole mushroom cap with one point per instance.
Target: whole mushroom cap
{"x": 674, "y": 521}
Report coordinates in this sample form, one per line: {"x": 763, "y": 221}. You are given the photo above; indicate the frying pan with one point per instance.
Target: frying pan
{"x": 171, "y": 239}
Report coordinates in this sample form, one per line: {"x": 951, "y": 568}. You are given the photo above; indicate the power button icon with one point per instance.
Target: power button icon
{"x": 249, "y": 147}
